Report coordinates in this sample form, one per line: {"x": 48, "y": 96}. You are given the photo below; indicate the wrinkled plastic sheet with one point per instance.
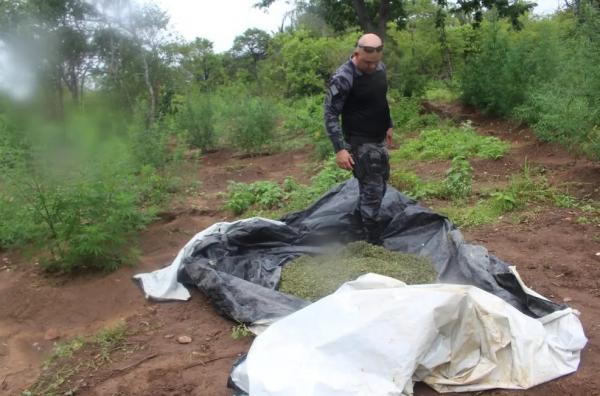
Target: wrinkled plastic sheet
{"x": 377, "y": 336}
{"x": 237, "y": 265}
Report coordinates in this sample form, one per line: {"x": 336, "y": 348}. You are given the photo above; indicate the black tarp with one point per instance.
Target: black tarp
{"x": 239, "y": 269}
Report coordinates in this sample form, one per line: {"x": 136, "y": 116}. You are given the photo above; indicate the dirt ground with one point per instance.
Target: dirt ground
{"x": 554, "y": 251}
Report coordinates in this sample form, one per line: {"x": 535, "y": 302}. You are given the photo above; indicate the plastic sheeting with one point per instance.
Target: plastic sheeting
{"x": 238, "y": 265}
{"x": 377, "y": 336}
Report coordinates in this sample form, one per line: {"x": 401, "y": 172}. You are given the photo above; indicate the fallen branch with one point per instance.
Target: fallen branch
{"x": 205, "y": 362}
{"x": 126, "y": 368}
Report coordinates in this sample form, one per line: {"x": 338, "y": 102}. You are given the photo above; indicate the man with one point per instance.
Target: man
{"x": 357, "y": 91}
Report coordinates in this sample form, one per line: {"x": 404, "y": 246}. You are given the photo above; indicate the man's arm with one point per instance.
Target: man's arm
{"x": 337, "y": 92}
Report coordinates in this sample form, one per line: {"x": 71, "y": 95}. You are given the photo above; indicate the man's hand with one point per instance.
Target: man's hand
{"x": 388, "y": 137}
{"x": 344, "y": 159}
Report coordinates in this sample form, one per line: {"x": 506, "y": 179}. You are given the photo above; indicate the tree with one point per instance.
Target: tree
{"x": 370, "y": 15}
{"x": 374, "y": 15}
{"x": 199, "y": 63}
{"x": 253, "y": 45}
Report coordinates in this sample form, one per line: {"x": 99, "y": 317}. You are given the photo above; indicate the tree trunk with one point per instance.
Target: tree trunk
{"x": 383, "y": 18}
{"x": 363, "y": 15}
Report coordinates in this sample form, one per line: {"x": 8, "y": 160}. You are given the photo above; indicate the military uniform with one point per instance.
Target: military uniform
{"x": 360, "y": 99}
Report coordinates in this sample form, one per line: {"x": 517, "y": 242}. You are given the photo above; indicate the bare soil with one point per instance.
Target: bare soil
{"x": 554, "y": 252}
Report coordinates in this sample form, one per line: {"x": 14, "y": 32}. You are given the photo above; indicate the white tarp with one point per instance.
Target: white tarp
{"x": 377, "y": 336}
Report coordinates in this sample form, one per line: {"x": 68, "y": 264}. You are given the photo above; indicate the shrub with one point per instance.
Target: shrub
{"x": 459, "y": 178}
{"x": 263, "y": 194}
{"x": 196, "y": 118}
{"x": 253, "y": 125}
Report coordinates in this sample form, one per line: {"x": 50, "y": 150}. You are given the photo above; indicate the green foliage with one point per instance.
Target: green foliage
{"x": 447, "y": 144}
{"x": 466, "y": 216}
{"x": 524, "y": 189}
{"x": 300, "y": 64}
{"x": 416, "y": 188}
{"x": 444, "y": 91}
{"x": 110, "y": 339}
{"x": 545, "y": 74}
{"x": 148, "y": 142}
{"x": 459, "y": 178}
{"x": 240, "y": 331}
{"x": 406, "y": 113}
{"x": 253, "y": 124}
{"x": 78, "y": 196}
{"x": 263, "y": 194}
{"x": 492, "y": 79}
{"x": 195, "y": 117}
{"x": 305, "y": 116}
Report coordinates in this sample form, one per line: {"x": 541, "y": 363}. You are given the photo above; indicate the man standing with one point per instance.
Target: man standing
{"x": 357, "y": 91}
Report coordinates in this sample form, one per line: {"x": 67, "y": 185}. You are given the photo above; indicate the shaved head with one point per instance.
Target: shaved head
{"x": 370, "y": 40}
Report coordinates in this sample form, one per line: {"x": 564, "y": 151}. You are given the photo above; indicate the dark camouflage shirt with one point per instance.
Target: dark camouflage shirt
{"x": 338, "y": 89}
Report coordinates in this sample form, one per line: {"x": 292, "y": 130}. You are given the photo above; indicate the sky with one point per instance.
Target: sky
{"x": 222, "y": 20}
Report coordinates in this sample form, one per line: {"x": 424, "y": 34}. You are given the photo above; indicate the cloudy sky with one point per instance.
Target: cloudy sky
{"x": 222, "y": 20}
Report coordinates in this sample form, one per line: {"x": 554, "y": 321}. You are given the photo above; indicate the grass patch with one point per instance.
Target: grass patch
{"x": 444, "y": 144}
{"x": 457, "y": 184}
{"x": 529, "y": 187}
{"x": 312, "y": 278}
{"x": 65, "y": 362}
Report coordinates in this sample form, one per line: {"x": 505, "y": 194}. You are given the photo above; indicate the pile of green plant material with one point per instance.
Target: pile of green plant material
{"x": 312, "y": 278}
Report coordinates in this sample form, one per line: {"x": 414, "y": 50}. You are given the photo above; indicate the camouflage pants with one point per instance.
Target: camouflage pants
{"x": 372, "y": 169}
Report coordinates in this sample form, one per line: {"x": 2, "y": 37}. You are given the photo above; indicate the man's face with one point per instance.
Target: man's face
{"x": 367, "y": 62}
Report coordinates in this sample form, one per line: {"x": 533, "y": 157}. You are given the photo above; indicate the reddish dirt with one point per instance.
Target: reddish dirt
{"x": 554, "y": 253}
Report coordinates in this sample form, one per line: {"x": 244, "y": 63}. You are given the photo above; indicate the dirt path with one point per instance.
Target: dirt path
{"x": 554, "y": 252}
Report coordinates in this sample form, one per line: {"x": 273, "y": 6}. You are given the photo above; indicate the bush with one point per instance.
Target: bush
{"x": 459, "y": 178}
{"x": 253, "y": 125}
{"x": 195, "y": 117}
{"x": 78, "y": 195}
{"x": 263, "y": 194}
{"x": 306, "y": 116}
{"x": 148, "y": 143}
{"x": 406, "y": 113}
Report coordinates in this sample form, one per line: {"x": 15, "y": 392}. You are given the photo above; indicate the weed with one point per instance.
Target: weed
{"x": 441, "y": 144}
{"x": 253, "y": 125}
{"x": 196, "y": 118}
{"x": 459, "y": 178}
{"x": 64, "y": 362}
{"x": 109, "y": 340}
{"x": 64, "y": 350}
{"x": 583, "y": 220}
{"x": 409, "y": 183}
{"x": 525, "y": 188}
{"x": 240, "y": 331}
{"x": 263, "y": 194}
